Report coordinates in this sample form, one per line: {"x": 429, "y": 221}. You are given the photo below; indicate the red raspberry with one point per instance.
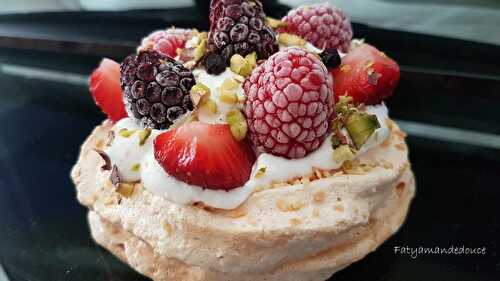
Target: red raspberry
{"x": 166, "y": 41}
{"x": 289, "y": 103}
{"x": 322, "y": 25}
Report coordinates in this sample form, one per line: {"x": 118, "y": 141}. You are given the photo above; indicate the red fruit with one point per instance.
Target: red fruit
{"x": 322, "y": 25}
{"x": 367, "y": 75}
{"x": 167, "y": 41}
{"x": 205, "y": 155}
{"x": 105, "y": 87}
{"x": 289, "y": 103}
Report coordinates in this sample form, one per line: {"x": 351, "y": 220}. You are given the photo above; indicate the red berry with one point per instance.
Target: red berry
{"x": 205, "y": 155}
{"x": 167, "y": 41}
{"x": 322, "y": 25}
{"x": 105, "y": 88}
{"x": 289, "y": 103}
{"x": 367, "y": 75}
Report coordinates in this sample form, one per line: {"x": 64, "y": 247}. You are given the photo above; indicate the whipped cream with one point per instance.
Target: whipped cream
{"x": 127, "y": 154}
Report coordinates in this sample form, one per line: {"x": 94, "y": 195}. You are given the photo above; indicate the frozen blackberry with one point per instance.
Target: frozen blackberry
{"x": 331, "y": 59}
{"x": 155, "y": 89}
{"x": 238, "y": 27}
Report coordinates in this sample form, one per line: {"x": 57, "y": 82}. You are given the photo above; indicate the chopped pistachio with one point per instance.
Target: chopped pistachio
{"x": 228, "y": 96}
{"x": 127, "y": 133}
{"x": 199, "y": 94}
{"x": 237, "y": 123}
{"x": 251, "y": 59}
{"x": 210, "y": 106}
{"x": 230, "y": 84}
{"x": 288, "y": 39}
{"x": 361, "y": 126}
{"x": 335, "y": 141}
{"x": 344, "y": 104}
{"x": 260, "y": 172}
{"x": 136, "y": 167}
{"x": 199, "y": 51}
{"x": 125, "y": 189}
{"x": 240, "y": 65}
{"x": 144, "y": 135}
{"x": 343, "y": 153}
{"x": 275, "y": 23}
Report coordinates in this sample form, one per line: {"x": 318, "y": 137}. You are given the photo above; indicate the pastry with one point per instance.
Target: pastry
{"x": 259, "y": 150}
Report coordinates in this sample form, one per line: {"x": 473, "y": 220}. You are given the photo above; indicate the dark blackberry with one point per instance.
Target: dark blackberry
{"x": 237, "y": 27}
{"x": 331, "y": 59}
{"x": 156, "y": 89}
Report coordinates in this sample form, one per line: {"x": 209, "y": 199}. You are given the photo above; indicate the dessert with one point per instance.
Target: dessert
{"x": 260, "y": 150}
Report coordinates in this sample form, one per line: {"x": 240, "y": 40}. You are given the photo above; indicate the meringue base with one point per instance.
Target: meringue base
{"x": 141, "y": 256}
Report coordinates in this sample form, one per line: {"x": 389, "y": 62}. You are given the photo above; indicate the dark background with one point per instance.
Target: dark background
{"x": 44, "y": 119}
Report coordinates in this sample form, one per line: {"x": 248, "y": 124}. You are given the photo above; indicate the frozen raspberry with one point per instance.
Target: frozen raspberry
{"x": 166, "y": 41}
{"x": 289, "y": 103}
{"x": 239, "y": 27}
{"x": 155, "y": 89}
{"x": 322, "y": 25}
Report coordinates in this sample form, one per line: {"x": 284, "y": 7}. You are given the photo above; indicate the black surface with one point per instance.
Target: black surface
{"x": 44, "y": 235}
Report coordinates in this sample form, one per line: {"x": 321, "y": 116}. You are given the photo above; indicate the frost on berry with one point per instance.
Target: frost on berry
{"x": 324, "y": 26}
{"x": 155, "y": 89}
{"x": 238, "y": 27}
{"x": 289, "y": 103}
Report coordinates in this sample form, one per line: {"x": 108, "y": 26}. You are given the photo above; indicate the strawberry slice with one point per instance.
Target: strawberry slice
{"x": 105, "y": 87}
{"x": 367, "y": 75}
{"x": 204, "y": 155}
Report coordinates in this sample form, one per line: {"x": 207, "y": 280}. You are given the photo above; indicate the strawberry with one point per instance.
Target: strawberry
{"x": 105, "y": 88}
{"x": 367, "y": 75}
{"x": 204, "y": 155}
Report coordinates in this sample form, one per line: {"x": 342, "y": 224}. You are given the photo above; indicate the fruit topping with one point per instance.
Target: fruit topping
{"x": 289, "y": 103}
{"x": 367, "y": 75}
{"x": 322, "y": 25}
{"x": 167, "y": 41}
{"x": 104, "y": 85}
{"x": 237, "y": 27}
{"x": 331, "y": 59}
{"x": 205, "y": 155}
{"x": 156, "y": 89}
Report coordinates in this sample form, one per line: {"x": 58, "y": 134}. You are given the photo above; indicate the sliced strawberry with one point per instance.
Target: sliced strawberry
{"x": 105, "y": 88}
{"x": 367, "y": 75}
{"x": 205, "y": 155}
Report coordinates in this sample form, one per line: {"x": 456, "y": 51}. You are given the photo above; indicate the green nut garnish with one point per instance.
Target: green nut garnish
{"x": 199, "y": 94}
{"x": 288, "y": 39}
{"x": 237, "y": 123}
{"x": 126, "y": 133}
{"x": 144, "y": 135}
{"x": 360, "y": 127}
{"x": 343, "y": 153}
{"x": 209, "y": 106}
{"x": 260, "y": 172}
{"x": 240, "y": 65}
{"x": 136, "y": 167}
{"x": 274, "y": 23}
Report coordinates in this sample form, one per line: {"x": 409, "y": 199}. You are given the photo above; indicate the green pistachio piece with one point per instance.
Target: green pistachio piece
{"x": 144, "y": 135}
{"x": 343, "y": 153}
{"x": 237, "y": 123}
{"x": 360, "y": 127}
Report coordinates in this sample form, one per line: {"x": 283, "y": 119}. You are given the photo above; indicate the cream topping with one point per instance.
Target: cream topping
{"x": 126, "y": 152}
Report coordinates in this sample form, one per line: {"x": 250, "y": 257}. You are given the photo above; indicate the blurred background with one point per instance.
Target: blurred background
{"x": 448, "y": 101}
